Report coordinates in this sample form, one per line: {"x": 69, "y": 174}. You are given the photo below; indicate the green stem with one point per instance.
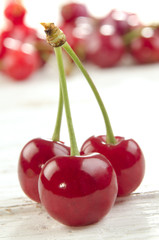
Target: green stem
{"x": 73, "y": 143}
{"x": 56, "y": 134}
{"x": 110, "y": 136}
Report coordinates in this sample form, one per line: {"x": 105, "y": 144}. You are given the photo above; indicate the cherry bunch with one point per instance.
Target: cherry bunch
{"x": 78, "y": 187}
{"x": 113, "y": 36}
{"x": 22, "y": 51}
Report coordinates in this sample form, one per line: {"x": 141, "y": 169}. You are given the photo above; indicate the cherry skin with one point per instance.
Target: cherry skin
{"x": 32, "y": 158}
{"x": 78, "y": 190}
{"x": 125, "y": 156}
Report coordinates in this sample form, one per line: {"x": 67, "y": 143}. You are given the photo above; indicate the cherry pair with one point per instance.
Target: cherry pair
{"x": 22, "y": 51}
{"x": 78, "y": 187}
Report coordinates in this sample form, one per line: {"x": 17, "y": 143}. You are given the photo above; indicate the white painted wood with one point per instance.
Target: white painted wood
{"x": 28, "y": 110}
{"x": 134, "y": 217}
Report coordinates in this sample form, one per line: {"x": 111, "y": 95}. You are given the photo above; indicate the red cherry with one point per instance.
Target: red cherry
{"x": 71, "y": 11}
{"x": 15, "y": 12}
{"x": 122, "y": 21}
{"x": 145, "y": 47}
{"x": 125, "y": 156}
{"x": 25, "y": 36}
{"x": 21, "y": 61}
{"x": 106, "y": 47}
{"x": 32, "y": 158}
{"x": 78, "y": 190}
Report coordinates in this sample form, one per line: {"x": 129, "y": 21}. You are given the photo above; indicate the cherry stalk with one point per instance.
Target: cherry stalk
{"x": 73, "y": 143}
{"x": 125, "y": 155}
{"x": 56, "y": 133}
{"x": 56, "y": 38}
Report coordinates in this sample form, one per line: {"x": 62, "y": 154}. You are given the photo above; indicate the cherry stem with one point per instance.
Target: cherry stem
{"x": 56, "y": 134}
{"x": 73, "y": 143}
{"x": 110, "y": 136}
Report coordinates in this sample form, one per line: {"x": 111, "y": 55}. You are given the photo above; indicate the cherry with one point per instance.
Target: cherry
{"x": 32, "y": 158}
{"x": 144, "y": 46}
{"x": 78, "y": 190}
{"x": 71, "y": 11}
{"x": 22, "y": 51}
{"x": 122, "y": 21}
{"x": 21, "y": 62}
{"x": 126, "y": 158}
{"x": 15, "y": 12}
{"x": 106, "y": 47}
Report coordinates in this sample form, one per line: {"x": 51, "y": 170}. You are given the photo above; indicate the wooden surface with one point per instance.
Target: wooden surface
{"x": 28, "y": 110}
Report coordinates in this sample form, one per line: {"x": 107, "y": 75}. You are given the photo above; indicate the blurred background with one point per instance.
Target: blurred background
{"x": 114, "y": 21}
{"x": 48, "y": 10}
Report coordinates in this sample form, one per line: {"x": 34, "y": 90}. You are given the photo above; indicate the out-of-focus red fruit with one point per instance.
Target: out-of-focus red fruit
{"x": 122, "y": 21}
{"x": 15, "y": 12}
{"x": 145, "y": 47}
{"x": 106, "y": 47}
{"x": 71, "y": 11}
{"x": 20, "y": 61}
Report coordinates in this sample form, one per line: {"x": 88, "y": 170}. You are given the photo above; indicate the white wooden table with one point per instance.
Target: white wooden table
{"x": 28, "y": 110}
